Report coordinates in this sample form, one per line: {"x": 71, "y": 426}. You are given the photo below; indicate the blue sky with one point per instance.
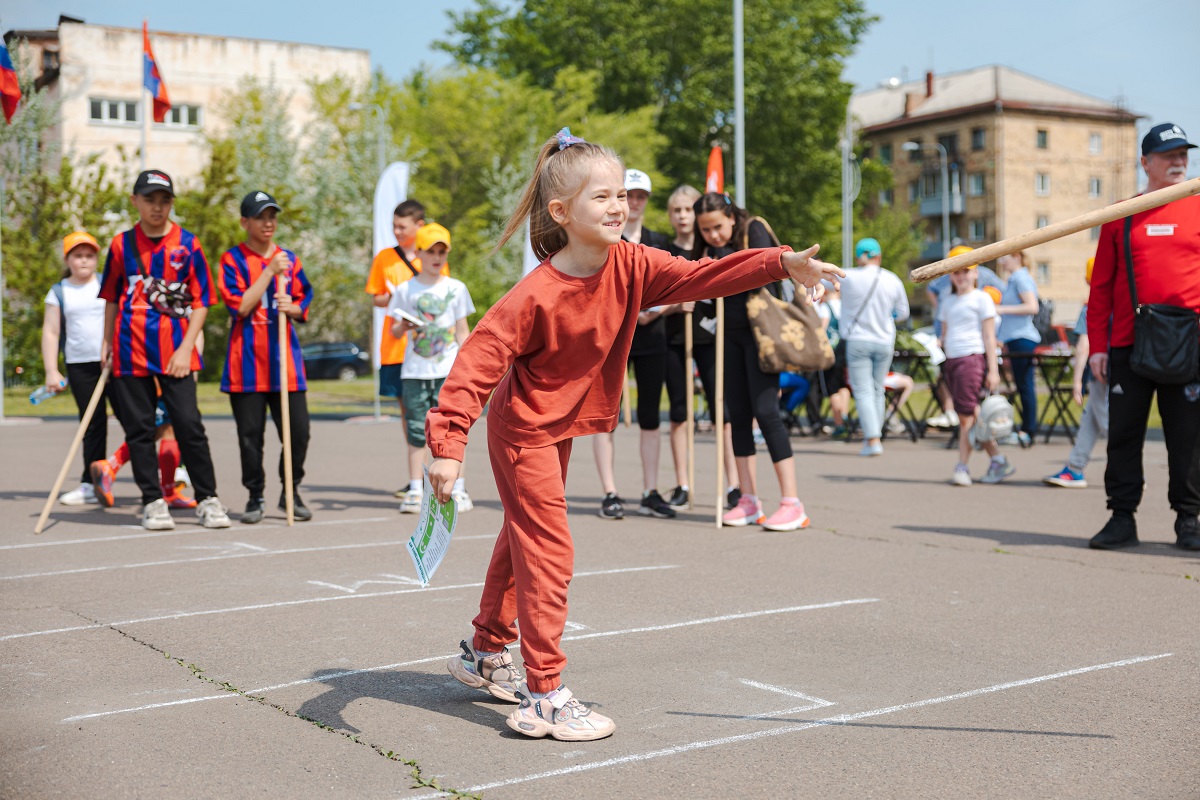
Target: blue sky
{"x": 1093, "y": 46}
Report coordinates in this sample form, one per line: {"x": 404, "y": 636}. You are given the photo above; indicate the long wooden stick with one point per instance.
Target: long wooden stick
{"x": 285, "y": 408}
{"x": 1126, "y": 208}
{"x": 97, "y": 393}
{"x": 690, "y": 402}
{"x": 719, "y": 412}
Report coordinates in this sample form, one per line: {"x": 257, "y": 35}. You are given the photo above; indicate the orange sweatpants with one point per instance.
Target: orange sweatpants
{"x": 533, "y": 561}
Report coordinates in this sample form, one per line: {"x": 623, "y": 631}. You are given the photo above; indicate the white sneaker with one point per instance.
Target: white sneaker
{"x": 946, "y": 420}
{"x": 411, "y": 504}
{"x": 961, "y": 476}
{"x": 84, "y": 495}
{"x": 462, "y": 500}
{"x": 157, "y": 517}
{"x": 212, "y": 513}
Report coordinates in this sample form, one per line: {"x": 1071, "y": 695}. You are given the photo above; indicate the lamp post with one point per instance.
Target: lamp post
{"x": 944, "y": 159}
{"x": 381, "y": 165}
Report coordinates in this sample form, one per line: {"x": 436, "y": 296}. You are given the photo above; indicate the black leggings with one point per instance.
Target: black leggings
{"x": 752, "y": 394}
{"x": 678, "y": 376}
{"x": 649, "y": 371}
{"x": 82, "y": 378}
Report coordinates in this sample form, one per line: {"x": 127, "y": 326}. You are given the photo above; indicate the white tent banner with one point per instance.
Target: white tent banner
{"x": 391, "y": 190}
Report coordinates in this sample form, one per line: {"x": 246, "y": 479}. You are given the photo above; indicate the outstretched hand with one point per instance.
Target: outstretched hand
{"x": 808, "y": 271}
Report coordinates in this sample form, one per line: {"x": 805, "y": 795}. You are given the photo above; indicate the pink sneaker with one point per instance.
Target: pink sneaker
{"x": 747, "y": 511}
{"x": 787, "y": 518}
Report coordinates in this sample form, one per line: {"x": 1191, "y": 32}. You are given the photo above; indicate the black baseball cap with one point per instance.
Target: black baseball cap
{"x": 256, "y": 203}
{"x": 153, "y": 180}
{"x": 1164, "y": 137}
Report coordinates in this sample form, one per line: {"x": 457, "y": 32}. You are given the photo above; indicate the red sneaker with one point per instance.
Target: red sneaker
{"x": 103, "y": 476}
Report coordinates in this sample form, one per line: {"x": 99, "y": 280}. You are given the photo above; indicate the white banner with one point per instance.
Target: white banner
{"x": 391, "y": 190}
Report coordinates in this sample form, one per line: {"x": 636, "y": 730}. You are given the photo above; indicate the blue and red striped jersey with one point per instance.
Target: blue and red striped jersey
{"x": 252, "y": 362}
{"x": 144, "y": 339}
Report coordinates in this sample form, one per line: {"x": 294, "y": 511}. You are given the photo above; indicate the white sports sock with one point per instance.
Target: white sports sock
{"x": 416, "y": 486}
{"x": 460, "y": 485}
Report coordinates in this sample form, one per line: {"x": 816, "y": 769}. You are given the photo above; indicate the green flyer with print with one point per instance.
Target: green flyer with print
{"x": 435, "y": 526}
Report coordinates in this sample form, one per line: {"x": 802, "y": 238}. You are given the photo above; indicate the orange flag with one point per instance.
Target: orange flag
{"x": 714, "y": 180}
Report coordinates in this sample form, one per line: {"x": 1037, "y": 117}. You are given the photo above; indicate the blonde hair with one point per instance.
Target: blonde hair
{"x": 559, "y": 174}
{"x": 690, "y": 192}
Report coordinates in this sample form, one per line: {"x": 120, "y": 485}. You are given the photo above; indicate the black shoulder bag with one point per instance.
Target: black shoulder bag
{"x": 1166, "y": 339}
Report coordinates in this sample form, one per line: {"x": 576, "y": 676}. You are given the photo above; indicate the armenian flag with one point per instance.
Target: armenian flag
{"x": 10, "y": 87}
{"x": 152, "y": 79}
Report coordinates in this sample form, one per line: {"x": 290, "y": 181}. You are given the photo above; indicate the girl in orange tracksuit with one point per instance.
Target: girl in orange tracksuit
{"x": 551, "y": 356}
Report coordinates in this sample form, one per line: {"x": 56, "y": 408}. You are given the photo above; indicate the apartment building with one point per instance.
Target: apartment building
{"x": 95, "y": 72}
{"x": 1021, "y": 153}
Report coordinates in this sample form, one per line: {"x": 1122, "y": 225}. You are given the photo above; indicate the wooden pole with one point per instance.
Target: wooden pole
{"x": 83, "y": 424}
{"x": 719, "y": 412}
{"x": 690, "y": 403}
{"x": 285, "y": 408}
{"x": 1126, "y": 208}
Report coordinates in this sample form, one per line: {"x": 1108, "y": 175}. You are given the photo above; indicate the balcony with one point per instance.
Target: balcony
{"x": 931, "y": 251}
{"x": 932, "y": 206}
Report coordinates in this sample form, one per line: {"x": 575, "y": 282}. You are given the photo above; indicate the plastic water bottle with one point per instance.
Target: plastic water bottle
{"x": 43, "y": 393}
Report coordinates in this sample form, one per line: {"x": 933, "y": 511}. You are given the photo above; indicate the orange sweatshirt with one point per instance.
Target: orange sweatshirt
{"x": 554, "y": 348}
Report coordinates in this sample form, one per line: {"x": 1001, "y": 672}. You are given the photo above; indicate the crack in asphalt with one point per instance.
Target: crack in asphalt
{"x": 419, "y": 781}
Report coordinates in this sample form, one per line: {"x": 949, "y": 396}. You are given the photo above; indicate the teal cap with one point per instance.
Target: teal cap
{"x": 867, "y": 247}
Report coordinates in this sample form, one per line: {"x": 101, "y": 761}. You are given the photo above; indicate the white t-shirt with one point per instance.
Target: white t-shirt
{"x": 432, "y": 347}
{"x": 876, "y": 311}
{"x": 962, "y": 318}
{"x": 84, "y": 320}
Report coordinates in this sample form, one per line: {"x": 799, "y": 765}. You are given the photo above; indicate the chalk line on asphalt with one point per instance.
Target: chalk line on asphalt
{"x": 284, "y": 603}
{"x": 828, "y": 721}
{"x": 348, "y": 673}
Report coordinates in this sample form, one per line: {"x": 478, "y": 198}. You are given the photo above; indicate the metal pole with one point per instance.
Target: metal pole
{"x": 945, "y": 158}
{"x": 144, "y": 120}
{"x": 739, "y": 109}
{"x": 847, "y": 200}
{"x": 380, "y": 159}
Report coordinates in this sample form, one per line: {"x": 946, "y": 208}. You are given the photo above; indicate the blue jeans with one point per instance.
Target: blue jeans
{"x": 1023, "y": 378}
{"x": 867, "y": 364}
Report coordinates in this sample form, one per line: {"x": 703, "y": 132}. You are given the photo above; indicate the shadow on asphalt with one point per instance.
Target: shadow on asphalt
{"x": 1002, "y": 537}
{"x": 937, "y": 728}
{"x": 432, "y": 692}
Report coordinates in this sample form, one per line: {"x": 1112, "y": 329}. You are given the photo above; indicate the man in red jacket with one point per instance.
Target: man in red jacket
{"x": 1165, "y": 245}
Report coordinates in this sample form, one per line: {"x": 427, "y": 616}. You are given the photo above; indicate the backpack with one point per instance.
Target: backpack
{"x": 57, "y": 290}
{"x": 1044, "y": 318}
{"x": 995, "y": 421}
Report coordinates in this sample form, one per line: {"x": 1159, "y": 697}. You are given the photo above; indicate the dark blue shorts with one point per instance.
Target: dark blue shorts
{"x": 389, "y": 380}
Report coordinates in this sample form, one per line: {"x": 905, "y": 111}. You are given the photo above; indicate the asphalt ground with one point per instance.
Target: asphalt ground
{"x": 919, "y": 640}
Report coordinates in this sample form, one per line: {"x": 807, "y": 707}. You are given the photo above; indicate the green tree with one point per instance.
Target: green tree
{"x": 677, "y": 57}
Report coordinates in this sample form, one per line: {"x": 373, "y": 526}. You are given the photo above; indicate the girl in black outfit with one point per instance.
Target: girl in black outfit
{"x": 749, "y": 392}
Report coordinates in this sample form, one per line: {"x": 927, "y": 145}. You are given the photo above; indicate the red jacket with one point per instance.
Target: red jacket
{"x": 1166, "y": 268}
{"x": 554, "y": 348}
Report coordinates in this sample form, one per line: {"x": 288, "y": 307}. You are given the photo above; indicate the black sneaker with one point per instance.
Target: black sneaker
{"x": 612, "y": 507}
{"x": 732, "y": 497}
{"x": 300, "y": 512}
{"x": 1187, "y": 532}
{"x": 679, "y": 498}
{"x": 255, "y": 509}
{"x": 653, "y": 505}
{"x": 1120, "y": 531}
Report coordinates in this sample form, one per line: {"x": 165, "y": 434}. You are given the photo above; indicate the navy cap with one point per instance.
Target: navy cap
{"x": 153, "y": 180}
{"x": 256, "y": 203}
{"x": 1164, "y": 137}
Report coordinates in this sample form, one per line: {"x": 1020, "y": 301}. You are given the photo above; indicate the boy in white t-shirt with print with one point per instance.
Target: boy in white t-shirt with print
{"x": 432, "y": 309}
{"x": 968, "y": 318}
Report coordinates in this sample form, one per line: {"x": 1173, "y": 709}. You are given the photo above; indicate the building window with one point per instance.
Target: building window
{"x": 885, "y": 154}
{"x": 1093, "y": 187}
{"x": 182, "y": 116}
{"x": 1041, "y": 184}
{"x": 1095, "y": 233}
{"x": 112, "y": 112}
{"x": 1043, "y": 272}
{"x": 933, "y": 185}
{"x": 914, "y": 191}
{"x": 1043, "y": 139}
{"x": 916, "y": 153}
{"x": 975, "y": 184}
{"x": 950, "y": 142}
{"x": 978, "y": 138}
{"x": 1095, "y": 144}
{"x": 1042, "y": 221}
{"x": 978, "y": 230}
{"x": 886, "y": 196}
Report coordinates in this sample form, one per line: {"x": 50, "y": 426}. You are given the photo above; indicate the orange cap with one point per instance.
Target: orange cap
{"x": 958, "y": 251}
{"x": 994, "y": 293}
{"x": 73, "y": 240}
{"x": 1091, "y": 263}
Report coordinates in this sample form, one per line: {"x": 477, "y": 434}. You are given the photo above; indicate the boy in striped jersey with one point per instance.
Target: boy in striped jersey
{"x": 259, "y": 281}
{"x": 158, "y": 290}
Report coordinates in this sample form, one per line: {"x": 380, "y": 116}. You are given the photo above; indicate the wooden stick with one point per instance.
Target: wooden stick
{"x": 97, "y": 393}
{"x": 285, "y": 408}
{"x": 627, "y": 399}
{"x": 690, "y": 402}
{"x": 1126, "y": 208}
{"x": 719, "y": 412}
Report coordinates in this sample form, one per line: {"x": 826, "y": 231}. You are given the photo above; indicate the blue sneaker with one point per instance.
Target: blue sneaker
{"x": 1066, "y": 478}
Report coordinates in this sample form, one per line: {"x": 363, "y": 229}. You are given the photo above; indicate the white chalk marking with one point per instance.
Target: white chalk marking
{"x": 749, "y": 737}
{"x": 573, "y": 626}
{"x": 816, "y": 701}
{"x": 348, "y": 673}
{"x": 153, "y": 534}
{"x": 353, "y": 589}
{"x": 285, "y": 603}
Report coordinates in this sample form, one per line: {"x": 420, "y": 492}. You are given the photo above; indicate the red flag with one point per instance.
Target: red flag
{"x": 10, "y": 87}
{"x": 714, "y": 180}
{"x": 152, "y": 78}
